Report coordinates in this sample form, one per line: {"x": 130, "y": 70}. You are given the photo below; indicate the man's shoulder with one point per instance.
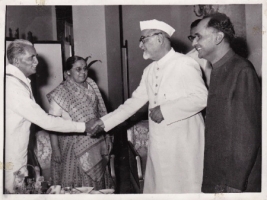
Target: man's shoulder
{"x": 185, "y": 60}
{"x": 14, "y": 82}
{"x": 182, "y": 56}
{"x": 241, "y": 63}
{"x": 192, "y": 52}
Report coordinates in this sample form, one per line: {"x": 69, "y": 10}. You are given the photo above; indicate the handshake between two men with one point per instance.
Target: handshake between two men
{"x": 94, "y": 126}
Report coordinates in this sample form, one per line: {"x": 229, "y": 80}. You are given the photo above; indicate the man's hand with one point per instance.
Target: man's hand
{"x": 94, "y": 126}
{"x": 109, "y": 143}
{"x": 156, "y": 115}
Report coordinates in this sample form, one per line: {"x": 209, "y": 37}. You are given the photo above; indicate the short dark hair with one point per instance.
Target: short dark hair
{"x": 71, "y": 60}
{"x": 17, "y": 48}
{"x": 195, "y": 23}
{"x": 222, "y": 23}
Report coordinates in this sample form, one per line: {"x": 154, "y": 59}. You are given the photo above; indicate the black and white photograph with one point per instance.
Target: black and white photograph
{"x": 133, "y": 100}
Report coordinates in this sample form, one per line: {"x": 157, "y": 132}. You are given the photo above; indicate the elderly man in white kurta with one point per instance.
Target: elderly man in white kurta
{"x": 22, "y": 111}
{"x": 176, "y": 93}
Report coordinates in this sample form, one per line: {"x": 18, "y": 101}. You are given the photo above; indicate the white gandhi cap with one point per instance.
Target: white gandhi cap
{"x": 155, "y": 24}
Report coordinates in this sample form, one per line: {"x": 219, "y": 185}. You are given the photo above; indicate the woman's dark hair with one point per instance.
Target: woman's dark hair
{"x": 222, "y": 23}
{"x": 71, "y": 60}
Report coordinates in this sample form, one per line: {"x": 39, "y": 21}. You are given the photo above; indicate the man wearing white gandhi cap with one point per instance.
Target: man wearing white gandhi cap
{"x": 155, "y": 24}
{"x": 176, "y": 93}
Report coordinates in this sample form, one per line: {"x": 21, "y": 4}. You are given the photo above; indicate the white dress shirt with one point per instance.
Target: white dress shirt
{"x": 21, "y": 111}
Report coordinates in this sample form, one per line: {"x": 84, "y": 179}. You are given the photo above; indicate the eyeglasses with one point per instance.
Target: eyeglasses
{"x": 79, "y": 69}
{"x": 142, "y": 38}
{"x": 191, "y": 38}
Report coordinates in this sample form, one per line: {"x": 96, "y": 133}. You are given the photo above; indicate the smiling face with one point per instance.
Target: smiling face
{"x": 27, "y": 62}
{"x": 149, "y": 44}
{"x": 205, "y": 41}
{"x": 79, "y": 71}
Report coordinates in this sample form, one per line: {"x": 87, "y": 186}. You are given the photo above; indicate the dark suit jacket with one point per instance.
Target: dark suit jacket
{"x": 233, "y": 126}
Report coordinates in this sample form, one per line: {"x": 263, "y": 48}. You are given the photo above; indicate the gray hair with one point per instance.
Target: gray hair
{"x": 16, "y": 48}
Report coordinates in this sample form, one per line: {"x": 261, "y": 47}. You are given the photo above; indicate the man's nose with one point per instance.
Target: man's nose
{"x": 194, "y": 42}
{"x": 84, "y": 71}
{"x": 35, "y": 61}
{"x": 141, "y": 45}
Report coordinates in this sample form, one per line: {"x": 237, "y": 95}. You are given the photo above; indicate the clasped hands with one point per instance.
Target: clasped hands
{"x": 94, "y": 126}
{"x": 156, "y": 114}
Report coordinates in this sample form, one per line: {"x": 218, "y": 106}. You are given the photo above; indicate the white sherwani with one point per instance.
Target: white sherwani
{"x": 176, "y": 145}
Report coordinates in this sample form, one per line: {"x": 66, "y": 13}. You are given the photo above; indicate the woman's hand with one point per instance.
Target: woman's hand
{"x": 109, "y": 143}
{"x": 56, "y": 155}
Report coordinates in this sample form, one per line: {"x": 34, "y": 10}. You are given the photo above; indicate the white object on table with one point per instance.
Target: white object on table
{"x": 54, "y": 189}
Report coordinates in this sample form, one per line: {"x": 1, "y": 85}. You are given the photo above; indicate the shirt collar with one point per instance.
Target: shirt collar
{"x": 224, "y": 59}
{"x": 11, "y": 69}
{"x": 166, "y": 57}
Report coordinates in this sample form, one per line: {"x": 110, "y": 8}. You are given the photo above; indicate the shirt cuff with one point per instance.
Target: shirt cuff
{"x": 80, "y": 127}
{"x": 105, "y": 122}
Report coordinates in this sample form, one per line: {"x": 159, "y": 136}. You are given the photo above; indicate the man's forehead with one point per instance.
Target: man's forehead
{"x": 202, "y": 24}
{"x": 30, "y": 49}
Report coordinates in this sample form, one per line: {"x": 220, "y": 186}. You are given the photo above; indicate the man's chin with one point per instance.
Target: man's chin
{"x": 200, "y": 56}
{"x": 146, "y": 56}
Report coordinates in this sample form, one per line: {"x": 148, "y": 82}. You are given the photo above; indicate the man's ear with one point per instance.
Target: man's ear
{"x": 219, "y": 37}
{"x": 160, "y": 38}
{"x": 16, "y": 62}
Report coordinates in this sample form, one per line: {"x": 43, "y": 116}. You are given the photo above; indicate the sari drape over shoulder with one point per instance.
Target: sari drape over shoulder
{"x": 81, "y": 154}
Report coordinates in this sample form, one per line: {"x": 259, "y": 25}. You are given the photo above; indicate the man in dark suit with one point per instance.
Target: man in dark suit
{"x": 232, "y": 159}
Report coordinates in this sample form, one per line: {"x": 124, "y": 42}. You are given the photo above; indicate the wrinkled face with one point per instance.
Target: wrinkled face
{"x": 205, "y": 40}
{"x": 27, "y": 62}
{"x": 149, "y": 44}
{"x": 79, "y": 71}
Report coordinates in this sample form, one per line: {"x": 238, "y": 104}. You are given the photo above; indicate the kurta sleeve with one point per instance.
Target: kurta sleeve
{"x": 21, "y": 104}
{"x": 55, "y": 109}
{"x": 130, "y": 106}
{"x": 245, "y": 123}
{"x": 194, "y": 98}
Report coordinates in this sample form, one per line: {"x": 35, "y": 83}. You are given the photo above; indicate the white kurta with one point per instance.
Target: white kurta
{"x": 204, "y": 64}
{"x": 176, "y": 145}
{"x": 21, "y": 111}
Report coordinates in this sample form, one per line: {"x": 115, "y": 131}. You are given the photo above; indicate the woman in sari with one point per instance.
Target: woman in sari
{"x": 79, "y": 160}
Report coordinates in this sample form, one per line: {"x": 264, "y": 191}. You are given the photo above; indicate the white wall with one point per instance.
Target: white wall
{"x": 254, "y": 35}
{"x": 90, "y": 39}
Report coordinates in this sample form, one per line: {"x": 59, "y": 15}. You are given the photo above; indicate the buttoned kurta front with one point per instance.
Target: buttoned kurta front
{"x": 176, "y": 145}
